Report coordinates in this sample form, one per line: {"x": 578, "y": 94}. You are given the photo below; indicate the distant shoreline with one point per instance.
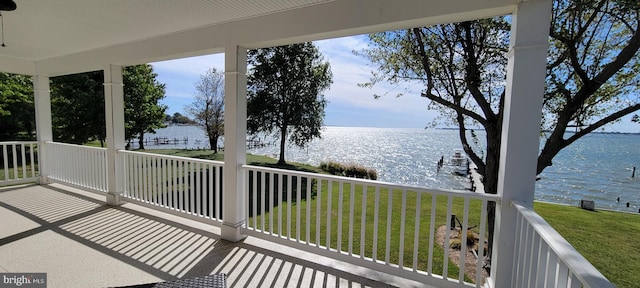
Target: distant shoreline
{"x": 547, "y": 131}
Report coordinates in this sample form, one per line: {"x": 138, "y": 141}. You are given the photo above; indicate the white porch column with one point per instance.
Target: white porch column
{"x": 114, "y": 114}
{"x": 521, "y": 127}
{"x": 42, "y": 101}
{"x": 235, "y": 135}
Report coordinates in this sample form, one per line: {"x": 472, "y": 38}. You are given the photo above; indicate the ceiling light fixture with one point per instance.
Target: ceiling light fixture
{"x": 8, "y": 5}
{"x": 2, "y": 29}
{"x": 5, "y": 5}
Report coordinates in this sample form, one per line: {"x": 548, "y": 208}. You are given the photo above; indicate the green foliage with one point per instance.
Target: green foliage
{"x": 592, "y": 69}
{"x": 351, "y": 170}
{"x": 142, "y": 92}
{"x": 208, "y": 107}
{"x": 17, "y": 115}
{"x": 372, "y": 174}
{"x": 178, "y": 118}
{"x": 461, "y": 68}
{"x": 78, "y": 111}
{"x": 77, "y": 107}
{"x": 455, "y": 243}
{"x": 285, "y": 93}
{"x": 333, "y": 168}
{"x": 592, "y": 73}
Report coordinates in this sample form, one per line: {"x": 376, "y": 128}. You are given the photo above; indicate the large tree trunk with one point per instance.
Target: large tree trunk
{"x": 213, "y": 143}
{"x": 283, "y": 141}
{"x": 490, "y": 180}
{"x": 141, "y": 141}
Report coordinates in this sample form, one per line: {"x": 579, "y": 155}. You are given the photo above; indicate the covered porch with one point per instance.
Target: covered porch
{"x": 301, "y": 229}
{"x": 90, "y": 244}
{"x": 234, "y": 204}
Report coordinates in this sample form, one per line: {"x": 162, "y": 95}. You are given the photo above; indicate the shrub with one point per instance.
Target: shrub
{"x": 351, "y": 170}
{"x": 455, "y": 243}
{"x": 372, "y": 174}
{"x": 333, "y": 168}
{"x": 471, "y": 237}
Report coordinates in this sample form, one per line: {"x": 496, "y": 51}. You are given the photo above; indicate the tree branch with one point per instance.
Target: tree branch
{"x": 424, "y": 60}
{"x": 604, "y": 121}
{"x": 473, "y": 74}
{"x": 457, "y": 108}
{"x": 556, "y": 142}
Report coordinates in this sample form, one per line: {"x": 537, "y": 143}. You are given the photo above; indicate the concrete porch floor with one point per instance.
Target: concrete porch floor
{"x": 79, "y": 241}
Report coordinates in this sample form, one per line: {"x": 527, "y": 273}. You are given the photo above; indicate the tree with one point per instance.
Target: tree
{"x": 592, "y": 70}
{"x": 285, "y": 93}
{"x": 142, "y": 92}
{"x": 77, "y": 107}
{"x": 78, "y": 111}
{"x": 592, "y": 65}
{"x": 17, "y": 118}
{"x": 208, "y": 108}
{"x": 178, "y": 118}
{"x": 461, "y": 67}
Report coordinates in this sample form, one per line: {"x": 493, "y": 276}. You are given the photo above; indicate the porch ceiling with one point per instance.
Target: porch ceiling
{"x": 55, "y": 37}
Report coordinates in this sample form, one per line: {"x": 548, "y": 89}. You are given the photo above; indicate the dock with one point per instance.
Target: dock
{"x": 156, "y": 141}
{"x": 475, "y": 180}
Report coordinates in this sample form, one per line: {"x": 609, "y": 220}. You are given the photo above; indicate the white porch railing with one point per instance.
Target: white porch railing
{"x": 186, "y": 186}
{"x": 388, "y": 227}
{"x": 76, "y": 165}
{"x": 543, "y": 258}
{"x": 18, "y": 162}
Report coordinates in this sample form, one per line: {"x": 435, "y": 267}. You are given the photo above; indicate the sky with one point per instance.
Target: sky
{"x": 349, "y": 105}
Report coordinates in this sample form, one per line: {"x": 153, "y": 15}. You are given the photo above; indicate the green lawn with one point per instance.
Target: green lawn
{"x": 282, "y": 211}
{"x": 257, "y": 160}
{"x": 355, "y": 222}
{"x": 606, "y": 239}
{"x": 11, "y": 172}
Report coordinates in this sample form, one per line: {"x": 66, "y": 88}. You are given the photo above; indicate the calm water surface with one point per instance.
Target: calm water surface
{"x": 597, "y": 167}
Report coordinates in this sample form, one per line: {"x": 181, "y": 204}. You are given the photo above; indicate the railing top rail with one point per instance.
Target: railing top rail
{"x": 17, "y": 142}
{"x": 197, "y": 160}
{"x": 75, "y": 146}
{"x": 578, "y": 265}
{"x": 461, "y": 193}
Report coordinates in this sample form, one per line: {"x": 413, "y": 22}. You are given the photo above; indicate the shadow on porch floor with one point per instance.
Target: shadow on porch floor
{"x": 80, "y": 242}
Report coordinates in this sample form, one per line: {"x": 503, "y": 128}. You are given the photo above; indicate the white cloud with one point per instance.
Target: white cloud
{"x": 342, "y": 48}
{"x": 348, "y": 70}
{"x": 346, "y": 99}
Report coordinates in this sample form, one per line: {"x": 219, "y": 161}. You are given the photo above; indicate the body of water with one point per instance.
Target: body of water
{"x": 597, "y": 167}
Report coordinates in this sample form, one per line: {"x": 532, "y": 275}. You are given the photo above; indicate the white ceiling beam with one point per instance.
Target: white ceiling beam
{"x": 329, "y": 20}
{"x": 17, "y": 66}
